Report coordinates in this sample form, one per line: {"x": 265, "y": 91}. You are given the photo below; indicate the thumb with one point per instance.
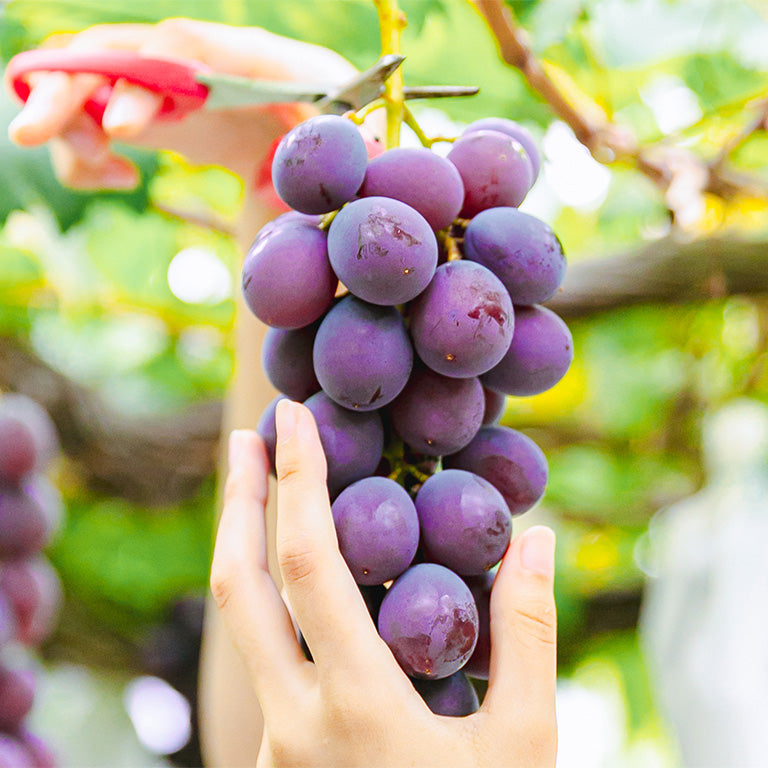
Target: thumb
{"x": 523, "y": 667}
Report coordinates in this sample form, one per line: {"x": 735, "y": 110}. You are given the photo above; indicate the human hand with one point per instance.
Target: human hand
{"x": 354, "y": 706}
{"x": 82, "y": 152}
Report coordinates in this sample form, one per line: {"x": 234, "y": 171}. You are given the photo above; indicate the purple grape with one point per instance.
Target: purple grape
{"x": 452, "y": 696}
{"x": 510, "y": 461}
{"x": 521, "y": 250}
{"x": 17, "y": 694}
{"x": 287, "y": 278}
{"x": 479, "y": 663}
{"x": 352, "y": 442}
{"x": 425, "y": 181}
{"x": 495, "y": 403}
{"x": 538, "y": 357}
{"x": 462, "y": 324}
{"x": 8, "y": 627}
{"x": 288, "y": 218}
{"x": 465, "y": 522}
{"x": 494, "y": 168}
{"x": 286, "y": 356}
{"x": 362, "y": 354}
{"x": 434, "y": 414}
{"x": 14, "y": 754}
{"x": 42, "y": 756}
{"x": 320, "y": 164}
{"x": 24, "y": 524}
{"x": 429, "y": 621}
{"x": 33, "y": 589}
{"x": 383, "y": 250}
{"x": 517, "y": 132}
{"x": 47, "y": 497}
{"x": 378, "y": 529}
{"x": 28, "y": 438}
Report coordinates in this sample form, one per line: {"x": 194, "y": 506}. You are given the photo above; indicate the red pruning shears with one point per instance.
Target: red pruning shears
{"x": 189, "y": 85}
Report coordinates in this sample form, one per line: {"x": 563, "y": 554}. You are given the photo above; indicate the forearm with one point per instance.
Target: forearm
{"x": 230, "y": 717}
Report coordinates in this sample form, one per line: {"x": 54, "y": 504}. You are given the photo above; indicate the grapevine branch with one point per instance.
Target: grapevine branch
{"x": 667, "y": 166}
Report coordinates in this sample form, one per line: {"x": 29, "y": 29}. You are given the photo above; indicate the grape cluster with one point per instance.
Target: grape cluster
{"x": 30, "y": 592}
{"x": 403, "y": 294}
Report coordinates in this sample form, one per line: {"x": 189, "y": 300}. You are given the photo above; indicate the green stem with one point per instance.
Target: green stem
{"x": 392, "y": 22}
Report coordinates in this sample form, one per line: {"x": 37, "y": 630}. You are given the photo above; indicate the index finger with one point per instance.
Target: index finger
{"x": 327, "y": 603}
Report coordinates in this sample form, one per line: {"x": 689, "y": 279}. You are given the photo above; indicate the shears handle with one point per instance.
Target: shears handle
{"x": 175, "y": 80}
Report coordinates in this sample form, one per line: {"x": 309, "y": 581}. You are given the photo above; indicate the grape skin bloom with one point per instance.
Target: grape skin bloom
{"x": 320, "y": 164}
{"x": 429, "y": 620}
{"x": 362, "y": 354}
{"x": 462, "y": 325}
{"x": 378, "y": 529}
{"x": 383, "y": 250}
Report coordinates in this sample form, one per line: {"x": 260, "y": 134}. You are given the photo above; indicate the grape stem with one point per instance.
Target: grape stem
{"x": 392, "y": 22}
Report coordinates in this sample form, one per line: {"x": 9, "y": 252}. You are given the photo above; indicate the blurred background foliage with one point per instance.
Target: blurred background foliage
{"x": 126, "y": 299}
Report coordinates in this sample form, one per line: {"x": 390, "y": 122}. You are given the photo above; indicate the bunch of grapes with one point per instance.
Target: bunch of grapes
{"x": 30, "y": 593}
{"x": 403, "y": 294}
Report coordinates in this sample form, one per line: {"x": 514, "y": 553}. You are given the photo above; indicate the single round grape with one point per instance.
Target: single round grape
{"x": 287, "y": 279}
{"x": 428, "y": 618}
{"x": 320, "y": 164}
{"x": 28, "y": 439}
{"x": 463, "y": 323}
{"x": 33, "y": 589}
{"x": 452, "y": 696}
{"x": 286, "y": 357}
{"x": 17, "y": 693}
{"x": 267, "y": 429}
{"x": 465, "y": 522}
{"x": 538, "y": 357}
{"x": 383, "y": 250}
{"x": 517, "y": 132}
{"x": 479, "y": 662}
{"x": 24, "y": 524}
{"x": 434, "y": 414}
{"x": 494, "y": 168}
{"x": 510, "y": 461}
{"x": 416, "y": 176}
{"x": 495, "y": 403}
{"x": 521, "y": 250}
{"x": 352, "y": 442}
{"x": 377, "y": 528}
{"x": 14, "y": 754}
{"x": 362, "y": 354}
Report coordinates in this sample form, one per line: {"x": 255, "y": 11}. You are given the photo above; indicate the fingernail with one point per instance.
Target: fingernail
{"x": 236, "y": 447}
{"x": 120, "y": 113}
{"x": 286, "y": 416}
{"x": 537, "y": 552}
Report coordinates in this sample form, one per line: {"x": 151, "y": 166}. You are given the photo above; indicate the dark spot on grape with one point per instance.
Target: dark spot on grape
{"x": 247, "y": 281}
{"x": 325, "y": 194}
{"x": 378, "y": 224}
{"x": 461, "y": 638}
{"x": 376, "y": 396}
{"x": 500, "y": 525}
{"x": 365, "y": 250}
{"x": 412, "y": 653}
{"x": 489, "y": 309}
